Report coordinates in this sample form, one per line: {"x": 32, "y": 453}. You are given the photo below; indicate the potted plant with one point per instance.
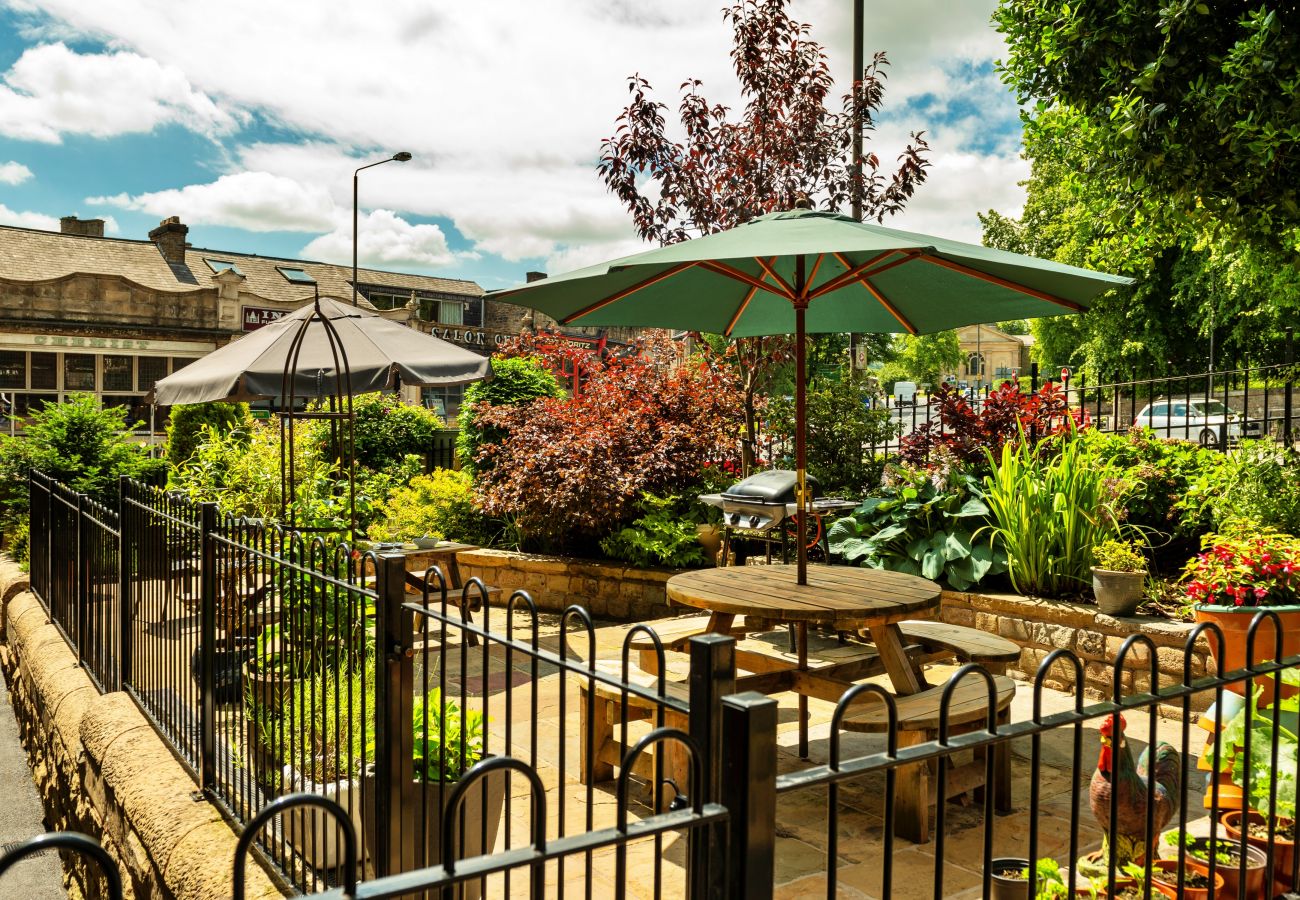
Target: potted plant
{"x": 1237, "y": 573}
{"x": 448, "y": 742}
{"x": 1165, "y": 873}
{"x": 1119, "y": 572}
{"x": 1227, "y": 862}
{"x": 323, "y": 728}
{"x": 1010, "y": 878}
{"x": 1053, "y": 883}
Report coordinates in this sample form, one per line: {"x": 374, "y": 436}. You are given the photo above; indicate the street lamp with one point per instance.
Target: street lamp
{"x": 403, "y": 156}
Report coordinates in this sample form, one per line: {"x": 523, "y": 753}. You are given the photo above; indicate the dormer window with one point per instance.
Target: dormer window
{"x": 220, "y": 265}
{"x": 295, "y": 276}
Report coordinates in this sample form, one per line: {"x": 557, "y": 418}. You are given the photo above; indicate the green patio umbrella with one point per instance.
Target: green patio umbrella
{"x": 807, "y": 271}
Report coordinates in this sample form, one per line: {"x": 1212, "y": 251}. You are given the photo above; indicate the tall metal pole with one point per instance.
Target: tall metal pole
{"x": 859, "y": 62}
{"x": 801, "y": 418}
{"x": 402, "y": 156}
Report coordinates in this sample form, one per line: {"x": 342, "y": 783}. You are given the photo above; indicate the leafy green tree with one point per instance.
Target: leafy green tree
{"x": 1195, "y": 104}
{"x": 925, "y": 357}
{"x": 386, "y": 429}
{"x": 186, "y": 423}
{"x": 515, "y": 380}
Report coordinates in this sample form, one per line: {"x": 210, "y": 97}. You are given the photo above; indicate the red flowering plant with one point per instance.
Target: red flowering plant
{"x": 1002, "y": 418}
{"x": 1245, "y": 567}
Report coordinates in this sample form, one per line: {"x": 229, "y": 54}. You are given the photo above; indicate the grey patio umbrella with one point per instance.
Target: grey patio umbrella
{"x": 378, "y": 352}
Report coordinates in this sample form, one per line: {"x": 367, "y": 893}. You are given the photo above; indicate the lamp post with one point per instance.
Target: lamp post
{"x": 403, "y": 156}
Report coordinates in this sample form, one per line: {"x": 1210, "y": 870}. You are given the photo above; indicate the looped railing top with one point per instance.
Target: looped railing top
{"x": 73, "y": 842}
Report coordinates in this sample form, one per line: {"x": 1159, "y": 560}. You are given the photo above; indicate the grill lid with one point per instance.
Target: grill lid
{"x": 773, "y": 486}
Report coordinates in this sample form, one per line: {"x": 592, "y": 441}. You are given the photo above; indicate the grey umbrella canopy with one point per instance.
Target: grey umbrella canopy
{"x": 378, "y": 352}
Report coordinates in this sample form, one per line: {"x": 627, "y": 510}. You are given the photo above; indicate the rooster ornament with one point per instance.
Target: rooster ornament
{"x": 1117, "y": 778}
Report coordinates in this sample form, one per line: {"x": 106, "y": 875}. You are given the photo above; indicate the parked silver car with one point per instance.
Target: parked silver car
{"x": 1203, "y": 421}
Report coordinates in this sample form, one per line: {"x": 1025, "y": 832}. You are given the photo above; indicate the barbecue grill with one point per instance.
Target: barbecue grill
{"x": 761, "y": 502}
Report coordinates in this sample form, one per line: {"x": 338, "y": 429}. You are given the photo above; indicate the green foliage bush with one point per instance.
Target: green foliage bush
{"x": 841, "y": 434}
{"x": 663, "y": 535}
{"x": 186, "y": 424}
{"x": 924, "y": 523}
{"x": 440, "y": 505}
{"x": 515, "y": 381}
{"x": 1259, "y": 481}
{"x": 1119, "y": 556}
{"x": 385, "y": 430}
{"x": 77, "y": 443}
{"x": 1050, "y": 509}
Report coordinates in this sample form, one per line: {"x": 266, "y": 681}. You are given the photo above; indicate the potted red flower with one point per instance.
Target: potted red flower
{"x": 1236, "y": 575}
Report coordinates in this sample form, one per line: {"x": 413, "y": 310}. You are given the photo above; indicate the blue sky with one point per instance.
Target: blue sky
{"x": 133, "y": 110}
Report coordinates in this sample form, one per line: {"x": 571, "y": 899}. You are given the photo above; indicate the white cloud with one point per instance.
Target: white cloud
{"x": 14, "y": 173}
{"x": 384, "y": 240}
{"x": 504, "y": 106}
{"x": 51, "y": 91}
{"x": 27, "y": 219}
{"x": 256, "y": 201}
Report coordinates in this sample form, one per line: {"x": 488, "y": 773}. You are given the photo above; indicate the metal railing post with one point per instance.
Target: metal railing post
{"x": 207, "y": 647}
{"x": 80, "y": 583}
{"x": 749, "y": 793}
{"x": 712, "y": 677}
{"x": 394, "y": 707}
{"x": 125, "y": 557}
{"x": 1290, "y": 385}
{"x": 49, "y": 550}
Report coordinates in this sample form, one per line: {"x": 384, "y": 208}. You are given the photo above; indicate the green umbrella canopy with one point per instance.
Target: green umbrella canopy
{"x": 859, "y": 277}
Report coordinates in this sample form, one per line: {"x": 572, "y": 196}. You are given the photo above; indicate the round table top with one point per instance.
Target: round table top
{"x": 844, "y": 594}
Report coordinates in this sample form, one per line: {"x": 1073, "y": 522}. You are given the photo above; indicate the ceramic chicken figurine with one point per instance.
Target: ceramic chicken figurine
{"x": 1116, "y": 776}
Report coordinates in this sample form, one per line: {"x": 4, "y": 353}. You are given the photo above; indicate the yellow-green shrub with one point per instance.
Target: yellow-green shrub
{"x": 439, "y": 504}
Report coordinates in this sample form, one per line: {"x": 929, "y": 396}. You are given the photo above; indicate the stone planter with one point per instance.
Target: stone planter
{"x": 423, "y": 808}
{"x": 1117, "y": 593}
{"x": 313, "y": 832}
{"x": 1235, "y": 622}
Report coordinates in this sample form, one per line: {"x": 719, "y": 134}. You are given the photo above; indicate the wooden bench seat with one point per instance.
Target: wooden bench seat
{"x": 604, "y": 713}
{"x": 918, "y": 722}
{"x": 967, "y": 644}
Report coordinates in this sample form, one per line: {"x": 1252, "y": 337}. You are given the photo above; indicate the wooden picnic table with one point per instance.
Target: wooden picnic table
{"x": 842, "y": 597}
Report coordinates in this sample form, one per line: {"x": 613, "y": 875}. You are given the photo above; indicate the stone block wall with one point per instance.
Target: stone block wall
{"x": 1041, "y": 626}
{"x": 101, "y": 769}
{"x": 606, "y": 590}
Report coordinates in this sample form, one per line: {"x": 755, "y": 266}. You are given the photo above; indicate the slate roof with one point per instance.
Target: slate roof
{"x": 28, "y": 254}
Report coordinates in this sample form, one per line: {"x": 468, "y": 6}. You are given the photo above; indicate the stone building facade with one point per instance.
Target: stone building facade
{"x": 81, "y": 312}
{"x": 990, "y": 356}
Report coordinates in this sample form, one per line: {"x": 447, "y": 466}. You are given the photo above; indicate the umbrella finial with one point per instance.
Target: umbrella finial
{"x": 801, "y": 201}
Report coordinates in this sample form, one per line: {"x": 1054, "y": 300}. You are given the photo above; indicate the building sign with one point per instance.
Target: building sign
{"x": 257, "y": 316}
{"x": 81, "y": 342}
{"x": 471, "y": 337}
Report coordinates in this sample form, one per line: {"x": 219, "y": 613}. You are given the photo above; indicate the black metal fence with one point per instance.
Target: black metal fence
{"x": 478, "y": 744}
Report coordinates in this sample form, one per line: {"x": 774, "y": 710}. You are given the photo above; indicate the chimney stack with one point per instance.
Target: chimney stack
{"x": 534, "y": 276}
{"x": 83, "y": 227}
{"x": 170, "y": 238}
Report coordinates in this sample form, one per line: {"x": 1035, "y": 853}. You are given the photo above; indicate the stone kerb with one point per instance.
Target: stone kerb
{"x": 1041, "y": 626}
{"x": 102, "y": 770}
{"x": 606, "y": 590}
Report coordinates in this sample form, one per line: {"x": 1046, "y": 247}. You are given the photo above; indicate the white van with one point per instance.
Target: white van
{"x": 905, "y": 393}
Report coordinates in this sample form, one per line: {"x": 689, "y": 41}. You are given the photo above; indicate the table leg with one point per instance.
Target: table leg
{"x": 802, "y": 629}
{"x": 889, "y": 644}
{"x": 720, "y": 623}
{"x": 912, "y": 794}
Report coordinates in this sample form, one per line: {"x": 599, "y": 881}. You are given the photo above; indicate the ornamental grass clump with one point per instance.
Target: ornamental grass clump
{"x": 1260, "y": 568}
{"x": 1050, "y": 509}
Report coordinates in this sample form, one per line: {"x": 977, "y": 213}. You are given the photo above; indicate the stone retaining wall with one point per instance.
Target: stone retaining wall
{"x": 1041, "y": 626}
{"x": 606, "y": 590}
{"x": 102, "y": 770}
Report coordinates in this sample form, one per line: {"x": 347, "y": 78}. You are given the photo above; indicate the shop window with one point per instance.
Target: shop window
{"x": 151, "y": 370}
{"x": 117, "y": 373}
{"x": 13, "y": 369}
{"x": 445, "y": 401}
{"x": 78, "y": 372}
{"x": 44, "y": 371}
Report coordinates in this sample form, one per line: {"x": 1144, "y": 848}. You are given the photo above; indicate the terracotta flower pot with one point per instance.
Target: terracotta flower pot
{"x": 1235, "y": 622}
{"x": 1256, "y": 864}
{"x": 1283, "y": 850}
{"x": 1117, "y": 593}
{"x": 1164, "y": 877}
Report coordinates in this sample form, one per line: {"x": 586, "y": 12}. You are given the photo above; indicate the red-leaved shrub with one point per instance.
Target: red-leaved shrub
{"x": 569, "y": 471}
{"x": 968, "y": 433}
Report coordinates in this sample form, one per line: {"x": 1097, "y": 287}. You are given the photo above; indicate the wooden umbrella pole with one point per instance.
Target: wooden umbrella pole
{"x": 801, "y": 419}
